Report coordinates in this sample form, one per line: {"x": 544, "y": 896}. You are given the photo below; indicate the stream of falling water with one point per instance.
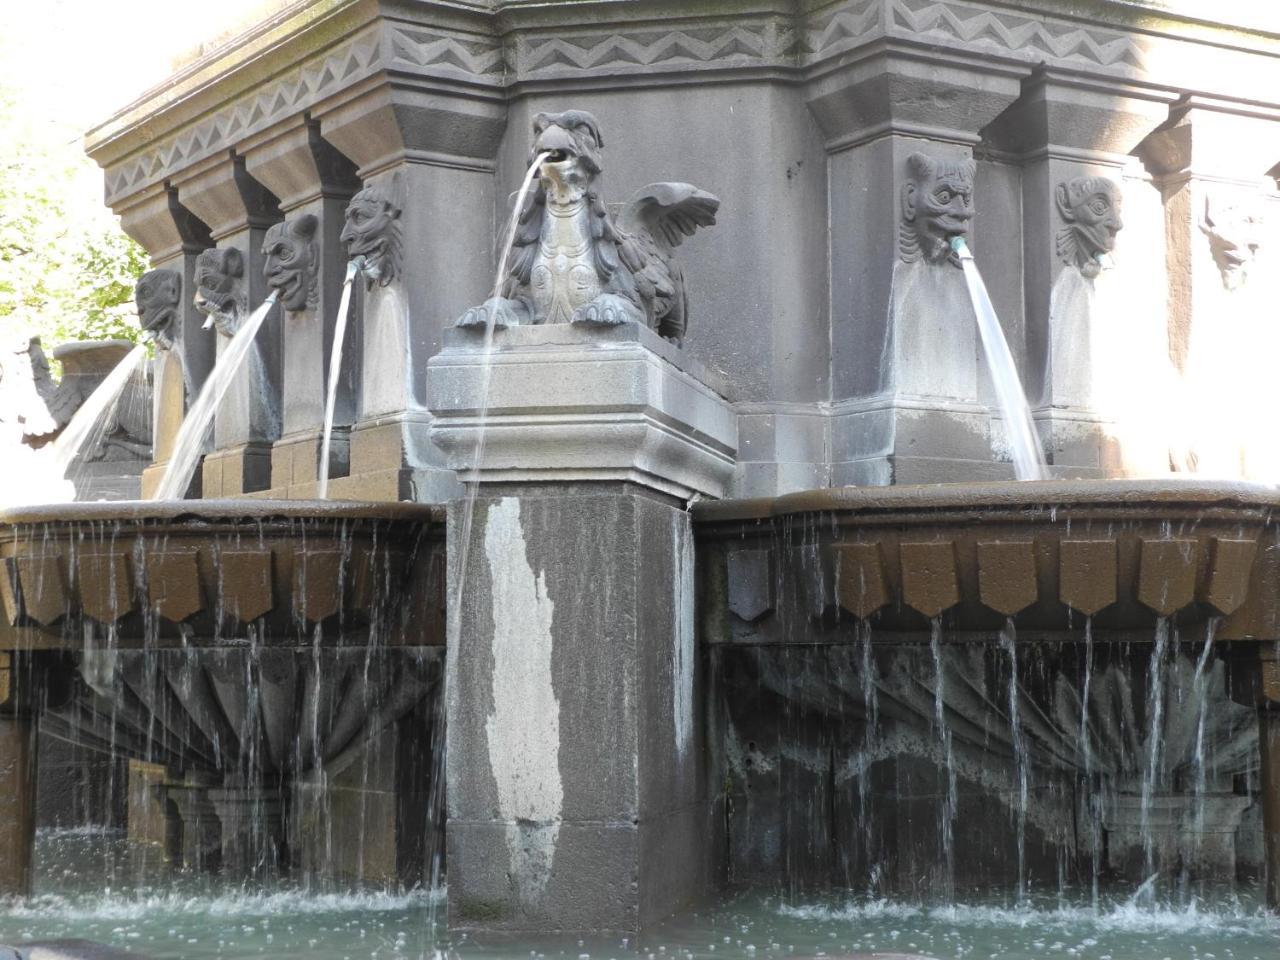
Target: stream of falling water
{"x": 1093, "y": 797}
{"x": 354, "y": 266}
{"x": 1199, "y": 691}
{"x": 1155, "y": 739}
{"x": 1028, "y": 457}
{"x": 947, "y": 812}
{"x": 189, "y": 443}
{"x": 90, "y": 415}
{"x": 473, "y": 485}
{"x": 1021, "y": 760}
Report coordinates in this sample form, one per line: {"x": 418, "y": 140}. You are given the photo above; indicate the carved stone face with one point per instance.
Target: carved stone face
{"x": 293, "y": 261}
{"x": 220, "y": 293}
{"x": 156, "y": 295}
{"x": 574, "y": 142}
{"x": 1235, "y": 235}
{"x": 937, "y": 204}
{"x": 1091, "y": 208}
{"x": 372, "y": 231}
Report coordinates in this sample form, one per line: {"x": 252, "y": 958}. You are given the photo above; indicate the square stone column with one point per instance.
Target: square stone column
{"x": 907, "y": 398}
{"x": 430, "y": 160}
{"x": 17, "y": 778}
{"x": 312, "y": 179}
{"x": 1073, "y": 139}
{"x": 173, "y": 236}
{"x": 239, "y": 211}
{"x": 577, "y": 791}
{"x": 1211, "y": 164}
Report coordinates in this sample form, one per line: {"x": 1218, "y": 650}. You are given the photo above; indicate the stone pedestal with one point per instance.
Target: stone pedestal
{"x": 421, "y": 154}
{"x": 1082, "y": 329}
{"x": 570, "y": 403}
{"x": 17, "y": 782}
{"x": 1212, "y": 169}
{"x": 239, "y": 211}
{"x": 906, "y": 404}
{"x": 312, "y": 179}
{"x": 576, "y": 791}
{"x": 174, "y": 236}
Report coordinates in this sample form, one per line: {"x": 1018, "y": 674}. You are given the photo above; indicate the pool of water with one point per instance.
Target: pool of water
{"x": 85, "y": 890}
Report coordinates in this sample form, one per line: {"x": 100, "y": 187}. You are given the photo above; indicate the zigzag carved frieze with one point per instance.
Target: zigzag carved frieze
{"x": 840, "y": 28}
{"x": 1017, "y": 34}
{"x": 471, "y": 56}
{"x": 225, "y": 127}
{"x": 764, "y": 42}
{"x": 702, "y": 44}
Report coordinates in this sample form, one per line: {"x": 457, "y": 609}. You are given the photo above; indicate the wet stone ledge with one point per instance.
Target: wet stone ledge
{"x": 1046, "y": 556}
{"x": 205, "y": 573}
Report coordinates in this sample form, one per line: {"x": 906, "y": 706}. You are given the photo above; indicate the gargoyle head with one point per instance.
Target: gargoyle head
{"x": 220, "y": 293}
{"x": 293, "y": 261}
{"x": 1091, "y": 208}
{"x": 574, "y": 142}
{"x": 156, "y": 296}
{"x": 1235, "y": 235}
{"x": 937, "y": 204}
{"x": 372, "y": 231}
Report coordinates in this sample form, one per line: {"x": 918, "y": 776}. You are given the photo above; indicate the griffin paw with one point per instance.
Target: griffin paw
{"x": 477, "y": 318}
{"x": 602, "y": 313}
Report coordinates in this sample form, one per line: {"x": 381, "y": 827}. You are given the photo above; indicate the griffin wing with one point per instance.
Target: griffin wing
{"x": 654, "y": 223}
{"x": 669, "y": 212}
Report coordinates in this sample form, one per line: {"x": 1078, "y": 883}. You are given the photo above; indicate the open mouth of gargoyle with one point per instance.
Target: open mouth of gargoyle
{"x": 558, "y": 156}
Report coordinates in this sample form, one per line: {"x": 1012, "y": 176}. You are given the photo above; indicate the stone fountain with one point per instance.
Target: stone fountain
{"x": 737, "y": 592}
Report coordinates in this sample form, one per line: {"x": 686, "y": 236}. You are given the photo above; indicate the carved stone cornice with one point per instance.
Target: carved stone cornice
{"x": 315, "y": 56}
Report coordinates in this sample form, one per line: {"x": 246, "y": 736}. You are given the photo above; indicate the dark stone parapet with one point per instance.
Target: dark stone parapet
{"x": 1044, "y": 554}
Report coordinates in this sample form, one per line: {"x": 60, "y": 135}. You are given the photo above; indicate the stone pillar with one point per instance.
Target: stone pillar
{"x": 430, "y": 163}
{"x": 1211, "y": 167}
{"x": 239, "y": 211}
{"x": 1084, "y": 197}
{"x": 173, "y": 236}
{"x": 312, "y": 180}
{"x": 576, "y": 789}
{"x": 906, "y": 405}
{"x": 17, "y": 777}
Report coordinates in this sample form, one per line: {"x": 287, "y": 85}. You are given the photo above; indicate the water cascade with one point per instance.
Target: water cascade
{"x": 1028, "y": 457}
{"x": 189, "y": 444}
{"x": 354, "y": 267}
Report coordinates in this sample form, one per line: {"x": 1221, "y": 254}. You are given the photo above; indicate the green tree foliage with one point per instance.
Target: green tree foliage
{"x": 67, "y": 270}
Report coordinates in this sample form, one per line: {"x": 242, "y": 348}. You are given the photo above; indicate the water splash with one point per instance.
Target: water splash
{"x": 189, "y": 443}
{"x": 354, "y": 266}
{"x": 1028, "y": 457}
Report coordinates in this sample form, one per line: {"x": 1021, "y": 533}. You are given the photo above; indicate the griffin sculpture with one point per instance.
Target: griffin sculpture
{"x": 573, "y": 262}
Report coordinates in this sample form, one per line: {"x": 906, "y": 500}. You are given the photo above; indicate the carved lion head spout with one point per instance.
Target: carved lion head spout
{"x": 292, "y": 264}
{"x": 937, "y": 204}
{"x": 575, "y": 146}
{"x": 1091, "y": 208}
{"x": 372, "y": 231}
{"x": 220, "y": 293}
{"x": 156, "y": 294}
{"x": 1235, "y": 235}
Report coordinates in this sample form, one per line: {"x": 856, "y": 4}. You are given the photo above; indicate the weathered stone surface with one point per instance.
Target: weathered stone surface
{"x": 1007, "y": 575}
{"x": 750, "y": 576}
{"x": 45, "y": 597}
{"x": 568, "y": 403}
{"x": 860, "y": 578}
{"x": 1087, "y": 574}
{"x": 929, "y": 582}
{"x": 105, "y": 584}
{"x": 173, "y": 584}
{"x": 1167, "y": 579}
